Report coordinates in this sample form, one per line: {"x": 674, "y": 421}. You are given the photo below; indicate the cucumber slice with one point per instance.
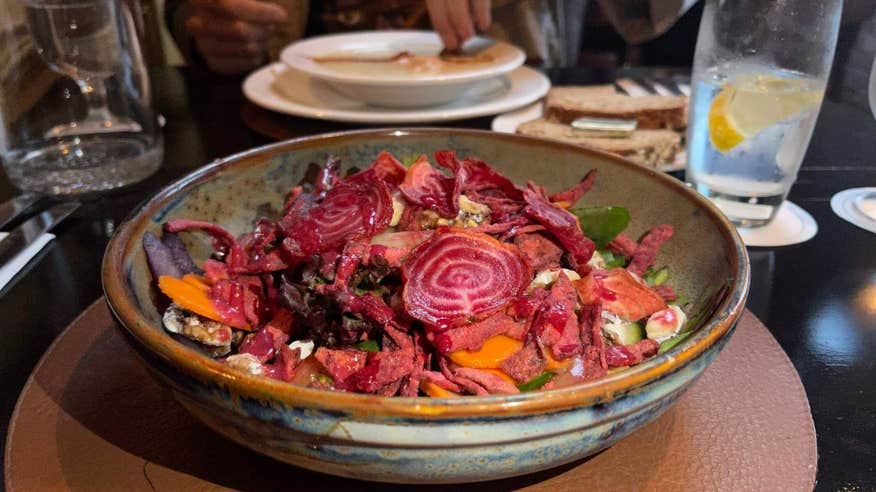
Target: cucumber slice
{"x": 624, "y": 333}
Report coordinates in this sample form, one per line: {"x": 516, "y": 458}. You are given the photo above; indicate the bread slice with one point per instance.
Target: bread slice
{"x": 651, "y": 148}
{"x": 565, "y": 104}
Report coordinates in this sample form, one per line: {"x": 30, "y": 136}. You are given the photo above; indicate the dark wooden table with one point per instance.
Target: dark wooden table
{"x": 817, "y": 298}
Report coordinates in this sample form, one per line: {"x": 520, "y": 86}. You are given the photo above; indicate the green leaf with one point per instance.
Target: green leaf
{"x": 612, "y": 260}
{"x": 369, "y": 346}
{"x": 656, "y": 277}
{"x": 672, "y": 342}
{"x": 536, "y": 382}
{"x": 409, "y": 160}
{"x": 602, "y": 224}
{"x": 680, "y": 301}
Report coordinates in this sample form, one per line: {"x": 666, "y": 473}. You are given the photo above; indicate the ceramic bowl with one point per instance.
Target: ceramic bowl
{"x": 398, "y": 88}
{"x": 423, "y": 440}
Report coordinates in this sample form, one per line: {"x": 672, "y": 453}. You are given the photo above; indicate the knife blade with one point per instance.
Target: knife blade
{"x": 12, "y": 208}
{"x": 28, "y": 231}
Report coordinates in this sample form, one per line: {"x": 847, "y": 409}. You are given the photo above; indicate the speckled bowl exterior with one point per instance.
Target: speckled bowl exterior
{"x": 424, "y": 440}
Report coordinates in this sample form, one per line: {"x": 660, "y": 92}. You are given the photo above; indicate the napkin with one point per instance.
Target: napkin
{"x": 9, "y": 270}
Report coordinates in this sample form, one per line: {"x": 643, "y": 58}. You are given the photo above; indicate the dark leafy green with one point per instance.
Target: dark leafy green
{"x": 536, "y": 382}
{"x": 369, "y": 346}
{"x": 602, "y": 224}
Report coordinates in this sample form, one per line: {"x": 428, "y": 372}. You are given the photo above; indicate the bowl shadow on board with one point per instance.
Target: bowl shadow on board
{"x": 110, "y": 396}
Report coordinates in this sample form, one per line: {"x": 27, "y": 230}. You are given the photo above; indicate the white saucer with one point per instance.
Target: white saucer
{"x": 843, "y": 204}
{"x": 792, "y": 225}
{"x": 508, "y": 123}
{"x": 283, "y": 89}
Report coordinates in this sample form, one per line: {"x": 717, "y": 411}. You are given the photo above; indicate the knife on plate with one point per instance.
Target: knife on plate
{"x": 31, "y": 229}
{"x": 12, "y": 208}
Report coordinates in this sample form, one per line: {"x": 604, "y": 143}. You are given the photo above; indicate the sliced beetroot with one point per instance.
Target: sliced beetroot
{"x": 458, "y": 276}
{"x": 328, "y": 176}
{"x": 353, "y": 209}
{"x": 285, "y": 363}
{"x": 629, "y": 355}
{"x": 430, "y": 188}
{"x": 619, "y": 293}
{"x": 465, "y": 383}
{"x": 571, "y": 196}
{"x": 559, "y": 222}
{"x": 388, "y": 168}
{"x": 384, "y": 368}
{"x": 440, "y": 380}
{"x": 501, "y": 206}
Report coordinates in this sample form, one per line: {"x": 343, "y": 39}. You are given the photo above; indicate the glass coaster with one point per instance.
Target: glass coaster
{"x": 792, "y": 225}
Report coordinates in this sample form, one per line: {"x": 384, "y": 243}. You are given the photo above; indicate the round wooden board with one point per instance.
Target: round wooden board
{"x": 91, "y": 418}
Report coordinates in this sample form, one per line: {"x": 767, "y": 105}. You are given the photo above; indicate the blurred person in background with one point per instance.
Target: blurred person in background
{"x": 235, "y": 36}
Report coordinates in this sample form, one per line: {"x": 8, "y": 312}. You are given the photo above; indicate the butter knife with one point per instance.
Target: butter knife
{"x": 31, "y": 229}
{"x": 12, "y": 208}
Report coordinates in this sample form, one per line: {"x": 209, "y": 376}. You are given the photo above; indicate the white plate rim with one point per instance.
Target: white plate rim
{"x": 842, "y": 204}
{"x": 508, "y": 122}
{"x": 256, "y": 91}
{"x": 295, "y": 55}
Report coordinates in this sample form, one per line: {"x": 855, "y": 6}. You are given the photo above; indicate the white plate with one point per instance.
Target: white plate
{"x": 508, "y": 123}
{"x": 299, "y": 55}
{"x": 844, "y": 205}
{"x": 280, "y": 88}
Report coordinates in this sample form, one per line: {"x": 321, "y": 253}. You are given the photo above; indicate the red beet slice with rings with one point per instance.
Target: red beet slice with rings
{"x": 430, "y": 188}
{"x": 459, "y": 276}
{"x": 354, "y": 209}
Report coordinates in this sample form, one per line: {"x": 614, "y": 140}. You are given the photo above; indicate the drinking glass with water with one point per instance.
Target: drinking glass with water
{"x": 75, "y": 100}
{"x": 759, "y": 76}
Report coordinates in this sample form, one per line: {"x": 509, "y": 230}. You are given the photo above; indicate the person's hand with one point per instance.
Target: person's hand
{"x": 232, "y": 35}
{"x": 455, "y": 20}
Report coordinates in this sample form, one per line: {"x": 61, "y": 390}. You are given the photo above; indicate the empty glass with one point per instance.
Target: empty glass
{"x": 759, "y": 75}
{"x": 74, "y": 104}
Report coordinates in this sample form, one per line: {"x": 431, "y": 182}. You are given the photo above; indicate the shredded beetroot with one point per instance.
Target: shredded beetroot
{"x": 392, "y": 307}
{"x": 556, "y": 324}
{"x": 478, "y": 174}
{"x": 472, "y": 337}
{"x": 571, "y": 196}
{"x": 628, "y": 355}
{"x": 458, "y": 276}
{"x": 562, "y": 224}
{"x": 646, "y": 252}
{"x": 429, "y": 188}
{"x": 541, "y": 252}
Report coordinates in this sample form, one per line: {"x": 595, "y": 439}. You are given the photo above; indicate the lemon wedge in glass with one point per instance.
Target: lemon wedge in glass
{"x": 752, "y": 103}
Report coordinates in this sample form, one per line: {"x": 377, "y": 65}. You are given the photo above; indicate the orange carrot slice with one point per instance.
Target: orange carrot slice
{"x": 188, "y": 296}
{"x": 436, "y": 391}
{"x": 197, "y": 281}
{"x": 553, "y": 364}
{"x": 491, "y": 354}
{"x": 501, "y": 374}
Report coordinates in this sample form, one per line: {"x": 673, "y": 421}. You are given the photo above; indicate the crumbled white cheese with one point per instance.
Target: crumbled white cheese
{"x": 546, "y": 278}
{"x": 398, "y": 208}
{"x": 596, "y": 261}
{"x": 665, "y": 324}
{"x": 305, "y": 346}
{"x": 247, "y": 363}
